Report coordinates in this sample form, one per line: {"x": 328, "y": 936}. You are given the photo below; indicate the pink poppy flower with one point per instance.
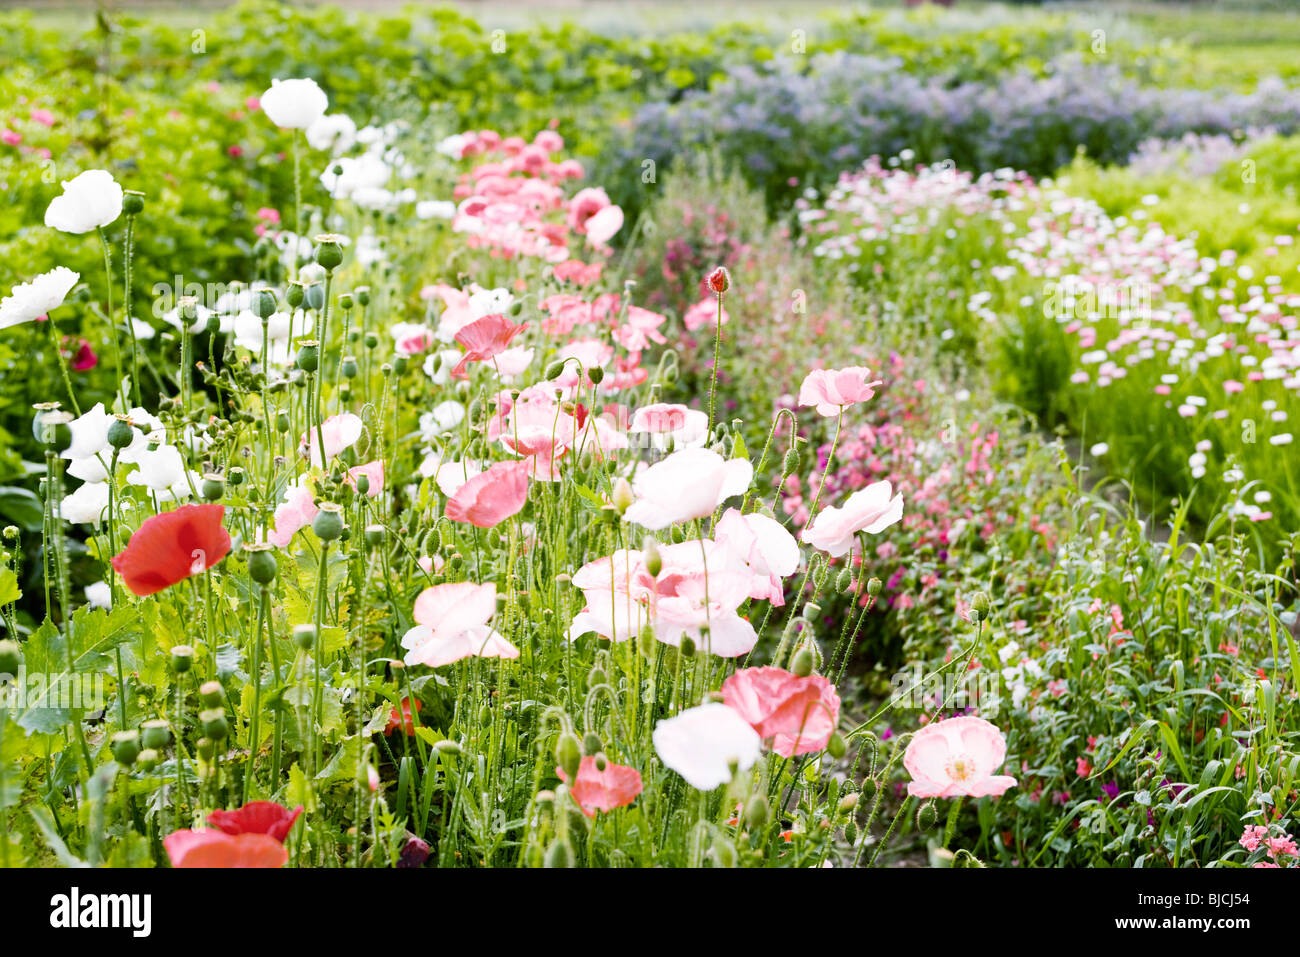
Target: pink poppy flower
{"x": 799, "y": 714}
{"x": 483, "y": 339}
{"x": 491, "y": 497}
{"x": 686, "y": 485}
{"x": 764, "y": 546}
{"x": 374, "y": 473}
{"x": 833, "y": 389}
{"x": 603, "y": 225}
{"x": 293, "y": 514}
{"x": 452, "y": 623}
{"x": 340, "y": 431}
{"x": 585, "y": 204}
{"x": 867, "y": 510}
{"x": 957, "y": 757}
{"x": 596, "y": 790}
{"x": 214, "y": 848}
{"x": 704, "y": 313}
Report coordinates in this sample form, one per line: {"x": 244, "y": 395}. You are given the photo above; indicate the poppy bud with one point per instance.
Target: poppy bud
{"x": 850, "y": 830}
{"x": 157, "y": 734}
{"x": 214, "y": 723}
{"x": 213, "y": 487}
{"x": 791, "y": 462}
{"x": 120, "y": 433}
{"x": 835, "y": 746}
{"x": 516, "y": 308}
{"x": 315, "y": 296}
{"x": 182, "y": 659}
{"x": 803, "y": 663}
{"x": 305, "y": 636}
{"x": 11, "y": 657}
{"x": 309, "y": 356}
{"x": 724, "y": 852}
{"x": 601, "y": 761}
{"x": 756, "y": 812}
{"x": 979, "y": 606}
{"x": 719, "y": 280}
{"x": 554, "y": 370}
{"x": 328, "y": 523}
{"x": 596, "y": 374}
{"x": 844, "y": 580}
{"x": 262, "y": 565}
{"x": 874, "y": 586}
{"x": 591, "y": 743}
{"x": 559, "y": 854}
{"x": 329, "y": 252}
{"x": 295, "y": 293}
{"x": 568, "y": 754}
{"x": 654, "y": 561}
{"x": 262, "y": 302}
{"x": 363, "y": 295}
{"x": 126, "y": 747}
{"x": 687, "y": 647}
{"x": 447, "y": 746}
{"x": 132, "y": 202}
{"x": 623, "y": 496}
{"x": 596, "y": 676}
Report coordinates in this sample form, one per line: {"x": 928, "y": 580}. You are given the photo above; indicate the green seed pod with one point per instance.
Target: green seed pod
{"x": 315, "y": 296}
{"x": 308, "y": 358}
{"x": 11, "y": 657}
{"x": 347, "y": 301}
{"x": 348, "y": 367}
{"x": 211, "y": 693}
{"x": 400, "y": 364}
{"x": 328, "y": 523}
{"x": 120, "y": 433}
{"x": 363, "y": 484}
{"x": 262, "y": 302}
{"x": 236, "y": 476}
{"x": 262, "y": 565}
{"x": 214, "y": 723}
{"x": 568, "y": 754}
{"x": 305, "y": 636}
{"x": 757, "y": 812}
{"x": 132, "y": 202}
{"x": 156, "y": 734}
{"x": 804, "y": 661}
{"x": 126, "y": 747}
{"x": 375, "y": 535}
{"x": 329, "y": 252}
{"x": 212, "y": 487}
{"x": 206, "y": 748}
{"x": 591, "y": 743}
{"x": 295, "y": 293}
{"x": 182, "y": 659}
{"x": 281, "y": 422}
{"x": 363, "y": 295}
{"x": 371, "y": 340}
{"x": 148, "y": 759}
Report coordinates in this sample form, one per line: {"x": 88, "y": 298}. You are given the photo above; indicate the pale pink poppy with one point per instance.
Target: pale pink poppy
{"x": 603, "y": 225}
{"x": 703, "y": 743}
{"x": 686, "y": 485}
{"x": 596, "y": 790}
{"x": 374, "y": 473}
{"x": 488, "y": 499}
{"x": 452, "y": 623}
{"x": 585, "y": 204}
{"x": 957, "y": 757}
{"x": 483, "y": 339}
{"x": 798, "y": 714}
{"x": 671, "y": 425}
{"x": 867, "y": 510}
{"x": 704, "y": 313}
{"x": 293, "y": 514}
{"x": 340, "y": 431}
{"x": 832, "y": 389}
{"x": 764, "y": 546}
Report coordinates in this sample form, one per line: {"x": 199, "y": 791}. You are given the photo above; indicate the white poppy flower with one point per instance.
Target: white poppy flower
{"x": 89, "y": 200}
{"x": 28, "y": 300}
{"x": 99, "y": 595}
{"x": 703, "y": 742}
{"x": 85, "y": 506}
{"x": 335, "y": 132}
{"x": 294, "y": 104}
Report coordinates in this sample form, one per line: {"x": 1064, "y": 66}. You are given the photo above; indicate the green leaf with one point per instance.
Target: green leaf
{"x": 22, "y": 508}
{"x": 9, "y": 590}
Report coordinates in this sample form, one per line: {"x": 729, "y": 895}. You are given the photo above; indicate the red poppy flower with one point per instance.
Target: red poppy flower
{"x": 490, "y": 498}
{"x": 173, "y": 546}
{"x": 605, "y": 790}
{"x": 211, "y": 848}
{"x": 483, "y": 339}
{"x": 257, "y": 817}
{"x": 404, "y": 720}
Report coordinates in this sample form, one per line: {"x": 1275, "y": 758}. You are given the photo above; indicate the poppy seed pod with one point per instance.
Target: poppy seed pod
{"x": 211, "y": 694}
{"x": 148, "y": 759}
{"x": 294, "y": 293}
{"x": 262, "y": 302}
{"x": 371, "y": 340}
{"x": 304, "y": 636}
{"x": 212, "y": 325}
{"x": 132, "y": 202}
{"x": 308, "y": 358}
{"x": 375, "y": 534}
{"x": 348, "y": 367}
{"x": 182, "y": 659}
{"x": 126, "y": 747}
{"x": 315, "y": 296}
{"x": 346, "y": 301}
{"x": 214, "y": 723}
{"x": 51, "y": 427}
{"x": 363, "y": 295}
{"x": 156, "y": 734}
{"x": 281, "y": 423}
{"x": 120, "y": 433}
{"x": 206, "y": 748}
{"x": 262, "y": 565}
{"x": 400, "y": 364}
{"x": 329, "y": 251}
{"x": 213, "y": 487}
